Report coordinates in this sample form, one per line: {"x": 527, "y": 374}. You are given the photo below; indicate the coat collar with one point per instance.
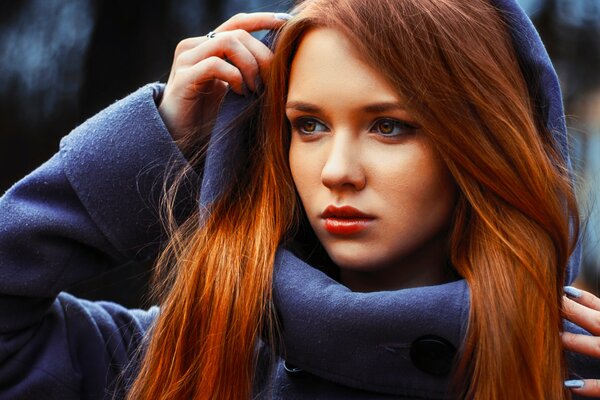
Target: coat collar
{"x": 397, "y": 342}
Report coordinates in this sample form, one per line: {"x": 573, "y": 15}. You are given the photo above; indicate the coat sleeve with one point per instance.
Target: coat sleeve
{"x": 91, "y": 207}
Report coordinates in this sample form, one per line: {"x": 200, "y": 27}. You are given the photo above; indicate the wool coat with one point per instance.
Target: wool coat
{"x": 90, "y": 208}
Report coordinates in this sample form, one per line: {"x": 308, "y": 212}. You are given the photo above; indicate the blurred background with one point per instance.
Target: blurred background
{"x": 61, "y": 61}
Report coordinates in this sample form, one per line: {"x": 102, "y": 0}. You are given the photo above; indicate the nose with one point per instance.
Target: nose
{"x": 343, "y": 169}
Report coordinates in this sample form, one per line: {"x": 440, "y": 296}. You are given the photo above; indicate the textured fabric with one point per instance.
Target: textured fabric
{"x": 92, "y": 207}
{"x": 363, "y": 340}
{"x": 86, "y": 210}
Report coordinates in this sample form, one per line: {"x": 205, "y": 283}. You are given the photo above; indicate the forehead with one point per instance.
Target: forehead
{"x": 327, "y": 68}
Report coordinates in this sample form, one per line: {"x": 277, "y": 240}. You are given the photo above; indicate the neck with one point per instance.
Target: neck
{"x": 426, "y": 267}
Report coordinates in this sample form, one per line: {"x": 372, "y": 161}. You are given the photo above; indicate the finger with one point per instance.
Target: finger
{"x": 217, "y": 68}
{"x": 585, "y": 317}
{"x": 188, "y": 44}
{"x": 252, "y": 22}
{"x": 582, "y": 297}
{"x": 584, "y": 344}
{"x": 585, "y": 387}
{"x": 229, "y": 47}
{"x": 247, "y": 22}
{"x": 183, "y": 46}
{"x": 262, "y": 54}
{"x": 198, "y": 75}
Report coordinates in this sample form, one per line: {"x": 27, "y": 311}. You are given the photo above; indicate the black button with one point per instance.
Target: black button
{"x": 433, "y": 355}
{"x": 290, "y": 368}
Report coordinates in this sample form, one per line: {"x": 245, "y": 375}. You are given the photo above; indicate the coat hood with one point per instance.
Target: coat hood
{"x": 399, "y": 342}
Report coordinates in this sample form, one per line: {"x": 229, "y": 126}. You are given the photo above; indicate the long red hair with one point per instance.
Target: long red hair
{"x": 512, "y": 232}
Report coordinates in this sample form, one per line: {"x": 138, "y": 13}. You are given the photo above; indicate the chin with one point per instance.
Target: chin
{"x": 358, "y": 263}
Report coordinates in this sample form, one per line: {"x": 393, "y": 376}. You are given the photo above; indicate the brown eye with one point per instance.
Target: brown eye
{"x": 308, "y": 126}
{"x": 386, "y": 127}
{"x": 392, "y": 127}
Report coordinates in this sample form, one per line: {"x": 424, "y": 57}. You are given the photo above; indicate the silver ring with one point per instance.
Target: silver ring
{"x": 291, "y": 368}
{"x": 211, "y": 34}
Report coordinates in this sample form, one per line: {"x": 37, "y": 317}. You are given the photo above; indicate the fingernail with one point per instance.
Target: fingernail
{"x": 572, "y": 292}
{"x": 258, "y": 84}
{"x": 574, "y": 384}
{"x": 283, "y": 16}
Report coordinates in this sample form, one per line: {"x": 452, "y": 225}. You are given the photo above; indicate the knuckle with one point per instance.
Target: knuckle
{"x": 183, "y": 45}
{"x": 240, "y": 33}
{"x": 595, "y": 348}
{"x": 212, "y": 63}
{"x": 238, "y": 17}
{"x": 568, "y": 339}
{"x": 226, "y": 39}
{"x": 231, "y": 40}
{"x": 595, "y": 324}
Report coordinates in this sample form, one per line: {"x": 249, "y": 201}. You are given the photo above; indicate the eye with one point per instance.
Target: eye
{"x": 392, "y": 127}
{"x": 308, "y": 126}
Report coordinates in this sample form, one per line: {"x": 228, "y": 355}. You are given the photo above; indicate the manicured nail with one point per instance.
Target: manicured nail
{"x": 574, "y": 384}
{"x": 283, "y": 16}
{"x": 258, "y": 84}
{"x": 572, "y": 292}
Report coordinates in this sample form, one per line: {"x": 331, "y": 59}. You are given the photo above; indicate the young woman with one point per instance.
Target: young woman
{"x": 386, "y": 211}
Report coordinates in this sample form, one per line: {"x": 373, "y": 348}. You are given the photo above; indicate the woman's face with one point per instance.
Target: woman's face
{"x": 376, "y": 193}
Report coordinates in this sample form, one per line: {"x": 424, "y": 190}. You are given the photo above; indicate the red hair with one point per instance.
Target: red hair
{"x": 512, "y": 230}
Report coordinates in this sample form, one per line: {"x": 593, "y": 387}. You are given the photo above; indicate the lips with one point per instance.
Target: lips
{"x": 345, "y": 220}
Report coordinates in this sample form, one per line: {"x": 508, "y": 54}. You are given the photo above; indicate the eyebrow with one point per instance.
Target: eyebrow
{"x": 374, "y": 108}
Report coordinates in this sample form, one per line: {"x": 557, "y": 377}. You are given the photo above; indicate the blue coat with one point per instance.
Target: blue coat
{"x": 92, "y": 207}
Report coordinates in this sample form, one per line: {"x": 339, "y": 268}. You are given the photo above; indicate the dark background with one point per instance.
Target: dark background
{"x": 61, "y": 61}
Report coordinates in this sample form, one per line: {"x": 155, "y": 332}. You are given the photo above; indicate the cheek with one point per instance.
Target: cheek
{"x": 302, "y": 167}
{"x": 295, "y": 167}
{"x": 420, "y": 189}
{"x": 436, "y": 195}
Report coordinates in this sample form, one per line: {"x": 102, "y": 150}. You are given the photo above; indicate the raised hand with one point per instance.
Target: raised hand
{"x": 203, "y": 68}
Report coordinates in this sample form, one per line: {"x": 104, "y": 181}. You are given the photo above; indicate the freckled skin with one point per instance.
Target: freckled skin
{"x": 400, "y": 181}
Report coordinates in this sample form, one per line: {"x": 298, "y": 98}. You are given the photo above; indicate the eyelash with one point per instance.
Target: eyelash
{"x": 298, "y": 125}
{"x": 405, "y": 128}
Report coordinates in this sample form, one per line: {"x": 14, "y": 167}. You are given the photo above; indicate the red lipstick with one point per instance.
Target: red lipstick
{"x": 345, "y": 220}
